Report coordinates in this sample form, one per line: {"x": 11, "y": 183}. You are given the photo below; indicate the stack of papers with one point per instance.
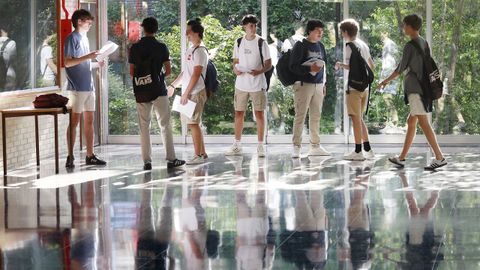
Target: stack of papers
{"x": 311, "y": 61}
{"x": 242, "y": 68}
{"x": 186, "y": 109}
{"x": 106, "y": 50}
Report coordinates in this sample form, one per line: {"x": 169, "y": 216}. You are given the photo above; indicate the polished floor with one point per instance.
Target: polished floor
{"x": 244, "y": 212}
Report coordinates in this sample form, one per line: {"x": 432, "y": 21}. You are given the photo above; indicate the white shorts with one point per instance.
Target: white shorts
{"x": 416, "y": 105}
{"x": 82, "y": 101}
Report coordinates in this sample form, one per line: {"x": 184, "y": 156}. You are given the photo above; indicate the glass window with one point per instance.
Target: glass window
{"x": 124, "y": 19}
{"x": 222, "y": 22}
{"x": 286, "y": 24}
{"x": 28, "y": 44}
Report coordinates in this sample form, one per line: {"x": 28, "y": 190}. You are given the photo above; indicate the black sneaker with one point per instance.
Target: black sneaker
{"x": 147, "y": 166}
{"x": 175, "y": 163}
{"x": 94, "y": 160}
{"x": 69, "y": 164}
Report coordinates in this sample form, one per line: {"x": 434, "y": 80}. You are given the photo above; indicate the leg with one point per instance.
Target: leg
{"x": 411, "y": 131}
{"x": 71, "y": 130}
{"x": 239, "y": 119}
{"x": 301, "y": 102}
{"x": 315, "y": 114}
{"x": 144, "y": 114}
{"x": 260, "y": 115}
{"x": 259, "y": 102}
{"x": 365, "y": 136}
{"x": 431, "y": 138}
{"x": 88, "y": 123}
{"x": 197, "y": 138}
{"x": 240, "y": 101}
{"x": 357, "y": 128}
{"x": 162, "y": 110}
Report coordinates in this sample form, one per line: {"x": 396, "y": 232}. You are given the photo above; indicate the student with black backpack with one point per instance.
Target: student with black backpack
{"x": 360, "y": 77}
{"x": 307, "y": 63}
{"x": 8, "y": 55}
{"x": 193, "y": 80}
{"x": 147, "y": 58}
{"x": 418, "y": 96}
{"x": 251, "y": 64}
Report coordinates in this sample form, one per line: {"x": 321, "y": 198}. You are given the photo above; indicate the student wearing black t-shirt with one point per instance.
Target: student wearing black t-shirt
{"x": 149, "y": 48}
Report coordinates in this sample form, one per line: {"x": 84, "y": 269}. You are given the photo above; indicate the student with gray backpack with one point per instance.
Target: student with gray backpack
{"x": 252, "y": 65}
{"x": 360, "y": 77}
{"x": 418, "y": 95}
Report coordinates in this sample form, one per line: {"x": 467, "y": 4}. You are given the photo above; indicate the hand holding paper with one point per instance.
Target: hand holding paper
{"x": 242, "y": 68}
{"x": 106, "y": 50}
{"x": 186, "y": 109}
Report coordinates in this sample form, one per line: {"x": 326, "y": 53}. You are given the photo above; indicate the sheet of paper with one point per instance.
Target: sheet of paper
{"x": 106, "y": 50}
{"x": 242, "y": 68}
{"x": 311, "y": 61}
{"x": 186, "y": 109}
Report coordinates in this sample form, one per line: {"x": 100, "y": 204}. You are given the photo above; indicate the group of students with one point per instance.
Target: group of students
{"x": 251, "y": 60}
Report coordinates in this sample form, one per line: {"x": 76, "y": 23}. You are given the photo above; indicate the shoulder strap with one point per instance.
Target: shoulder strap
{"x": 423, "y": 53}
{"x": 260, "y": 45}
{"x": 239, "y": 41}
{"x": 193, "y": 52}
{"x": 5, "y": 43}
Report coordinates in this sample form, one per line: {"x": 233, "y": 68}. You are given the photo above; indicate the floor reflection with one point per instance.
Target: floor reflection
{"x": 244, "y": 213}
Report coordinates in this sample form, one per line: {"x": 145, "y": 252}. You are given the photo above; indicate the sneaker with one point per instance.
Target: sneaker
{"x": 94, "y": 160}
{"x": 354, "y": 156}
{"x": 176, "y": 163}
{"x": 235, "y": 150}
{"x": 296, "y": 151}
{"x": 147, "y": 166}
{"x": 69, "y": 164}
{"x": 436, "y": 164}
{"x": 205, "y": 156}
{"x": 196, "y": 160}
{"x": 369, "y": 154}
{"x": 318, "y": 151}
{"x": 396, "y": 160}
{"x": 261, "y": 150}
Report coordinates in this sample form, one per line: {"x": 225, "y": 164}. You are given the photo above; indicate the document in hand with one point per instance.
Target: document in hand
{"x": 106, "y": 50}
{"x": 311, "y": 61}
{"x": 186, "y": 109}
{"x": 242, "y": 68}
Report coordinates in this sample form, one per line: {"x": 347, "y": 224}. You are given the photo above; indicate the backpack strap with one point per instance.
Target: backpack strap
{"x": 193, "y": 55}
{"x": 260, "y": 46}
{"x": 239, "y": 41}
{"x": 5, "y": 43}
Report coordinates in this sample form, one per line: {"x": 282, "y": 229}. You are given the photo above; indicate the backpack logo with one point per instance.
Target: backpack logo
{"x": 435, "y": 75}
{"x": 143, "y": 80}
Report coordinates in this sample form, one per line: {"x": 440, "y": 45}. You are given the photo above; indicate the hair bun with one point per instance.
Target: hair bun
{"x": 198, "y": 20}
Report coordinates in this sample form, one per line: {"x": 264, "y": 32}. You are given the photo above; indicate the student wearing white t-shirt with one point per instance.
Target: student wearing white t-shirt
{"x": 356, "y": 100}
{"x": 250, "y": 83}
{"x": 193, "y": 86}
{"x": 47, "y": 65}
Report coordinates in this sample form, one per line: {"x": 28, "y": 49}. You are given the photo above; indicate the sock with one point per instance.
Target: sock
{"x": 260, "y": 143}
{"x": 358, "y": 148}
{"x": 366, "y": 146}
{"x": 239, "y": 142}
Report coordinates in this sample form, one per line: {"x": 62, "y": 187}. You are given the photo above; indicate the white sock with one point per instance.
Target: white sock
{"x": 238, "y": 142}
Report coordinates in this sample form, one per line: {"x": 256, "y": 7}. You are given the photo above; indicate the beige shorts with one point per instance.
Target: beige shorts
{"x": 82, "y": 101}
{"x": 259, "y": 100}
{"x": 416, "y": 105}
{"x": 357, "y": 102}
{"x": 200, "y": 98}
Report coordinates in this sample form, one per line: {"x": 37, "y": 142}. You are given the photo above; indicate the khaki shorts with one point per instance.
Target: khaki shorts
{"x": 259, "y": 100}
{"x": 82, "y": 101}
{"x": 357, "y": 102}
{"x": 416, "y": 105}
{"x": 200, "y": 98}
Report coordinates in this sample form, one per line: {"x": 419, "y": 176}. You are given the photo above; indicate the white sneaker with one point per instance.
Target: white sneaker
{"x": 369, "y": 154}
{"x": 235, "y": 150}
{"x": 261, "y": 150}
{"x": 354, "y": 156}
{"x": 318, "y": 151}
{"x": 196, "y": 160}
{"x": 436, "y": 164}
{"x": 296, "y": 151}
{"x": 396, "y": 160}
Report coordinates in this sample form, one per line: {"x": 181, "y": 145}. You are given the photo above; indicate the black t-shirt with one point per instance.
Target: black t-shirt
{"x": 143, "y": 49}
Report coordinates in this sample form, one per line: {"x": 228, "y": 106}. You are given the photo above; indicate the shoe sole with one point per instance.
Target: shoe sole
{"x": 396, "y": 163}
{"x": 432, "y": 169}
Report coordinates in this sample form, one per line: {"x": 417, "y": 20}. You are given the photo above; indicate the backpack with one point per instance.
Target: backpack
{"x": 268, "y": 74}
{"x": 431, "y": 81}
{"x": 145, "y": 79}
{"x": 211, "y": 81}
{"x": 360, "y": 75}
{"x": 284, "y": 74}
{"x": 51, "y": 101}
{"x": 3, "y": 65}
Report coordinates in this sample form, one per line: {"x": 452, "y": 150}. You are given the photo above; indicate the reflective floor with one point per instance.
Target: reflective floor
{"x": 244, "y": 212}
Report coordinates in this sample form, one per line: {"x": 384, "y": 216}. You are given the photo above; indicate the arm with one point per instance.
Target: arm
{"x": 197, "y": 71}
{"x": 132, "y": 69}
{"x": 52, "y": 66}
{"x": 267, "y": 65}
{"x": 71, "y": 62}
{"x": 168, "y": 68}
{"x": 235, "y": 70}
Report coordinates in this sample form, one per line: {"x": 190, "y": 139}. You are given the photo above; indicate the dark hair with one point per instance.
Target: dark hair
{"x": 312, "y": 24}
{"x": 197, "y": 27}
{"x": 150, "y": 25}
{"x": 350, "y": 26}
{"x": 249, "y": 18}
{"x": 81, "y": 14}
{"x": 414, "y": 21}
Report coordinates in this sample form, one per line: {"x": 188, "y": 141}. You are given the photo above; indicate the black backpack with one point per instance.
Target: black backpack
{"x": 3, "y": 65}
{"x": 268, "y": 74}
{"x": 360, "y": 75}
{"x": 284, "y": 74}
{"x": 431, "y": 81}
{"x": 146, "y": 78}
{"x": 211, "y": 81}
